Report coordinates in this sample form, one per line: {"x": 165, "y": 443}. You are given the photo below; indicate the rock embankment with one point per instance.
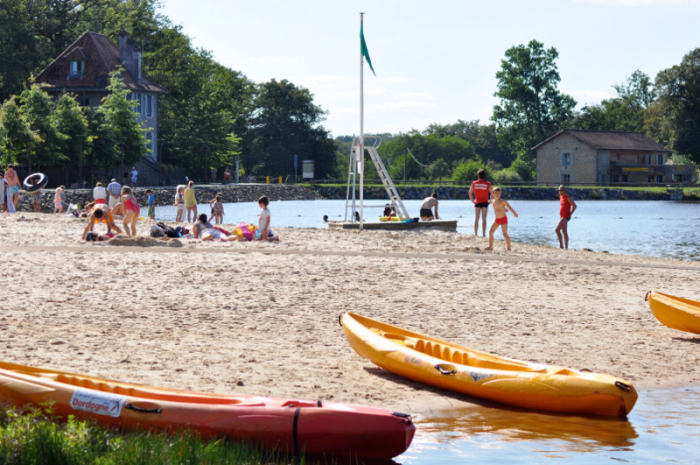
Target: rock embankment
{"x": 166, "y": 195}
{"x": 511, "y": 193}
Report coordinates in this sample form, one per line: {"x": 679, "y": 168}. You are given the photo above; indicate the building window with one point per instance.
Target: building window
{"x": 566, "y": 159}
{"x": 647, "y": 159}
{"x": 136, "y": 96}
{"x": 565, "y": 178}
{"x": 659, "y": 179}
{"x": 76, "y": 69}
{"x": 149, "y": 106}
{"x": 659, "y": 158}
{"x": 625, "y": 178}
{"x": 615, "y": 178}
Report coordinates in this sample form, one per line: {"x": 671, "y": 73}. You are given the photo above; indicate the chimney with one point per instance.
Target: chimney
{"x": 130, "y": 56}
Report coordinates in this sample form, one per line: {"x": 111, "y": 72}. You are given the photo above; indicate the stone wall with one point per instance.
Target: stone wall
{"x": 166, "y": 195}
{"x": 251, "y": 192}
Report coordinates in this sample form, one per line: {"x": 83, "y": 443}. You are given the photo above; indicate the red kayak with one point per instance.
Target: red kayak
{"x": 292, "y": 426}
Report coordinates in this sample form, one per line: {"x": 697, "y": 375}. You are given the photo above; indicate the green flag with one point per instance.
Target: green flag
{"x": 364, "y": 51}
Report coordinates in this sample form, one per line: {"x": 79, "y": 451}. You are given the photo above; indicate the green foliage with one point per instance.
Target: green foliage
{"x": 532, "y": 108}
{"x": 39, "y": 111}
{"x": 506, "y": 176}
{"x": 33, "y": 438}
{"x": 626, "y": 112}
{"x": 16, "y": 133}
{"x": 467, "y": 171}
{"x": 427, "y": 151}
{"x": 120, "y": 114}
{"x": 73, "y": 124}
{"x": 284, "y": 124}
{"x": 481, "y": 136}
{"x": 676, "y": 115}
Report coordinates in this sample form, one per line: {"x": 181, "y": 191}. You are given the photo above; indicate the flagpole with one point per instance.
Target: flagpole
{"x": 361, "y": 158}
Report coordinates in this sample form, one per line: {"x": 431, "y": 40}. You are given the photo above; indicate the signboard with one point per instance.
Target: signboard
{"x": 627, "y": 170}
{"x": 296, "y": 161}
{"x": 307, "y": 169}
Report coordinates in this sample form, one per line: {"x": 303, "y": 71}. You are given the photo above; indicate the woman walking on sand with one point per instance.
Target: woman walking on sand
{"x": 567, "y": 206}
{"x": 131, "y": 210}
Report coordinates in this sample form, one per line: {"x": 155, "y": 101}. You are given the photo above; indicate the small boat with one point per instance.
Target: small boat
{"x": 478, "y": 374}
{"x": 675, "y": 312}
{"x": 287, "y": 425}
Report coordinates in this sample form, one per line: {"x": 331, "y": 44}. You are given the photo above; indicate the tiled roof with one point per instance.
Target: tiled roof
{"x": 101, "y": 57}
{"x": 611, "y": 140}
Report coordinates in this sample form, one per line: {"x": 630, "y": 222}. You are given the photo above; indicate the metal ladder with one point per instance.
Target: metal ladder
{"x": 394, "y": 196}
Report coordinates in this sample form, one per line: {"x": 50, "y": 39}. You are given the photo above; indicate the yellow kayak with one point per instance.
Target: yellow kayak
{"x": 467, "y": 371}
{"x": 674, "y": 312}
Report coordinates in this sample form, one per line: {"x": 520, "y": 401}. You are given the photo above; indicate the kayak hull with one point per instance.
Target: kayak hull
{"x": 478, "y": 374}
{"x": 675, "y": 312}
{"x": 291, "y": 426}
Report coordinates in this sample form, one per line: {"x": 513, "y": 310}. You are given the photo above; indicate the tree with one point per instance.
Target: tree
{"x": 676, "y": 113}
{"x": 39, "y": 111}
{"x": 467, "y": 171}
{"x": 285, "y": 123}
{"x": 623, "y": 113}
{"x": 72, "y": 122}
{"x": 532, "y": 108}
{"x": 481, "y": 136}
{"x": 17, "y": 133}
{"x": 120, "y": 114}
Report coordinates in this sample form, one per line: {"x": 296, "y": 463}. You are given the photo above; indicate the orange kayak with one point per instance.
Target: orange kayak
{"x": 675, "y": 312}
{"x": 292, "y": 426}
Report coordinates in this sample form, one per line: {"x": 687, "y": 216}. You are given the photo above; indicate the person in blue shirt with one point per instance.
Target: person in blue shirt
{"x": 151, "y": 204}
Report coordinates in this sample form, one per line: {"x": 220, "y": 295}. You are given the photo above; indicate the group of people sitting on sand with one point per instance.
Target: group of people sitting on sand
{"x": 118, "y": 202}
{"x": 482, "y": 195}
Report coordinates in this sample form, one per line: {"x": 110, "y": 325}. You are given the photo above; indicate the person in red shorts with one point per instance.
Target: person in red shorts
{"x": 479, "y": 195}
{"x": 500, "y": 207}
{"x": 567, "y": 206}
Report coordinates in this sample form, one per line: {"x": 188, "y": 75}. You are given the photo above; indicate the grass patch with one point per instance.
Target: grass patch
{"x": 31, "y": 437}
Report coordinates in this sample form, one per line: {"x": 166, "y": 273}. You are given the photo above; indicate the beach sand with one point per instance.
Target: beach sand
{"x": 262, "y": 318}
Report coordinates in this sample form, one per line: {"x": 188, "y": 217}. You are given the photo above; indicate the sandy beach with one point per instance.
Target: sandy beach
{"x": 262, "y": 318}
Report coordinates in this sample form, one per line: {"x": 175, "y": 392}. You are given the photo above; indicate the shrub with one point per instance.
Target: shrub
{"x": 506, "y": 176}
{"x": 466, "y": 171}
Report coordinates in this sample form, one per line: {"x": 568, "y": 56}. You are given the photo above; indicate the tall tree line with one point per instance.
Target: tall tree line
{"x": 209, "y": 110}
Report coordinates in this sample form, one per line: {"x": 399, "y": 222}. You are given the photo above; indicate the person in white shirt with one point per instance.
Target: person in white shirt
{"x": 99, "y": 194}
{"x": 134, "y": 176}
{"x": 114, "y": 189}
{"x": 264, "y": 221}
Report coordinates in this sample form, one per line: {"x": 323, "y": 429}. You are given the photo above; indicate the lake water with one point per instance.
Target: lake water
{"x": 650, "y": 228}
{"x": 664, "y": 427}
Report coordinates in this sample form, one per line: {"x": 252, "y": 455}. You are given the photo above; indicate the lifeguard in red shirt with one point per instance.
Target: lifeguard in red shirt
{"x": 479, "y": 194}
{"x": 567, "y": 206}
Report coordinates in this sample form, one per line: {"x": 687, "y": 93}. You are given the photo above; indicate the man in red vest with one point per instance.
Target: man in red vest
{"x": 479, "y": 193}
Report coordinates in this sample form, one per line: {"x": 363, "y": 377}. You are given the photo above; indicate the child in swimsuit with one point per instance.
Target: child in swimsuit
{"x": 566, "y": 209}
{"x": 131, "y": 210}
{"x": 500, "y": 207}
{"x": 180, "y": 204}
{"x": 58, "y": 201}
{"x": 217, "y": 210}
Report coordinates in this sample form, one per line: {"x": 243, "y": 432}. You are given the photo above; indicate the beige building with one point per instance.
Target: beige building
{"x": 603, "y": 157}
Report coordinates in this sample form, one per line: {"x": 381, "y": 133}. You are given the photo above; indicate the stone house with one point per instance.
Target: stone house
{"x": 83, "y": 69}
{"x": 604, "y": 157}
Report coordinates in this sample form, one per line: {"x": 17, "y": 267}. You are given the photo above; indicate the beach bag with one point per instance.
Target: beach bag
{"x": 157, "y": 231}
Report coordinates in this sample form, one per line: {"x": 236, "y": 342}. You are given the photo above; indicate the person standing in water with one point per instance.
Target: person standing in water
{"x": 500, "y": 207}
{"x": 426, "y": 212}
{"x": 479, "y": 194}
{"x": 567, "y": 207}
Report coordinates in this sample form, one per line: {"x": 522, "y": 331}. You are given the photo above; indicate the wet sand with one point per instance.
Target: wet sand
{"x": 261, "y": 318}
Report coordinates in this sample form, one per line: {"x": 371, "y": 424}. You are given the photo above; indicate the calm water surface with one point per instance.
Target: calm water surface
{"x": 650, "y": 228}
{"x": 664, "y": 427}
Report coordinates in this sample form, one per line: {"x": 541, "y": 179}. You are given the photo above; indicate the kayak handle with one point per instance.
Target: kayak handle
{"x": 443, "y": 371}
{"x": 623, "y": 386}
{"x": 646, "y": 297}
{"x": 143, "y": 410}
{"x": 585, "y": 370}
{"x": 340, "y": 318}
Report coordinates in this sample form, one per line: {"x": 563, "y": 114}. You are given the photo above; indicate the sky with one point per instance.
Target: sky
{"x": 436, "y": 61}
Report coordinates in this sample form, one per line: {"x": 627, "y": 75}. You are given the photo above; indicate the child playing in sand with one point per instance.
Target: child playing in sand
{"x": 58, "y": 201}
{"x": 217, "y": 210}
{"x": 131, "y": 210}
{"x": 151, "y": 204}
{"x": 264, "y": 221}
{"x": 500, "y": 207}
{"x": 180, "y": 204}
